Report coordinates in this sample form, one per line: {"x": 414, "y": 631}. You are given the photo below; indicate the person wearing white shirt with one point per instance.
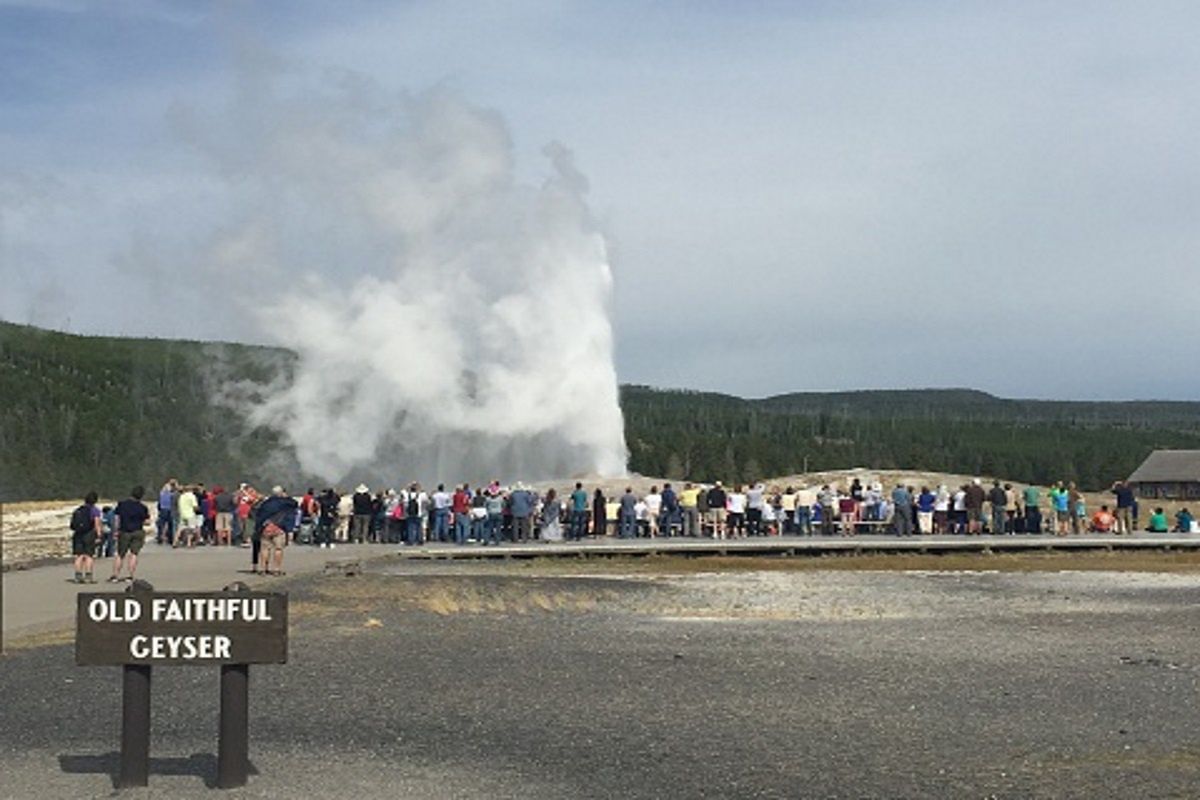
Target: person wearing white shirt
{"x": 736, "y": 504}
{"x": 653, "y": 503}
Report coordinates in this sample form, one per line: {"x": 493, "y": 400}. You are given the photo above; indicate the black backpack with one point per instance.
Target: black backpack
{"x": 81, "y": 519}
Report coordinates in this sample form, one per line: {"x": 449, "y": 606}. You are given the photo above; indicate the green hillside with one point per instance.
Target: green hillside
{"x": 106, "y": 413}
{"x": 962, "y": 431}
{"x": 102, "y": 412}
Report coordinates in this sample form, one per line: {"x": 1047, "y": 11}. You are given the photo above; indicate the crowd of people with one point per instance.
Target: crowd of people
{"x": 190, "y": 515}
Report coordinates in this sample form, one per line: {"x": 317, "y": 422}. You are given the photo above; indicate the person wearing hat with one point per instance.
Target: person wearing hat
{"x": 360, "y": 522}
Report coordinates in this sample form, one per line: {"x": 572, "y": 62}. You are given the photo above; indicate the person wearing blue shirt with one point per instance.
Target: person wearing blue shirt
{"x": 669, "y": 517}
{"x": 520, "y": 504}
{"x": 925, "y": 507}
{"x": 165, "y": 524}
{"x": 1125, "y": 504}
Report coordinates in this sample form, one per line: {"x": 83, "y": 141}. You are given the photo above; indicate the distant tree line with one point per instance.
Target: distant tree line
{"x": 105, "y": 413}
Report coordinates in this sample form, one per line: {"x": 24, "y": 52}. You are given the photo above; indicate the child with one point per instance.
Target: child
{"x": 108, "y": 541}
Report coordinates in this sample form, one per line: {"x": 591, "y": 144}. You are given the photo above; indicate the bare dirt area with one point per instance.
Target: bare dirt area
{"x": 36, "y": 530}
{"x": 635, "y": 680}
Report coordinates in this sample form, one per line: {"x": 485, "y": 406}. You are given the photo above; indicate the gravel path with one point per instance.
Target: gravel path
{"x": 484, "y": 683}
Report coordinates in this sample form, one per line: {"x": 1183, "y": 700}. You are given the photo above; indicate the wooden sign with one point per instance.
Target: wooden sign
{"x": 181, "y": 628}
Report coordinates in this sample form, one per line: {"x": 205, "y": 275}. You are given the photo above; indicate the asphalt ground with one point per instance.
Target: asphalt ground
{"x": 425, "y": 682}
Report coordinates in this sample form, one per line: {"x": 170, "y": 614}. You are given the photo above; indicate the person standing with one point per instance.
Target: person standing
{"x": 131, "y": 517}
{"x": 494, "y": 506}
{"x": 653, "y": 502}
{"x": 223, "y": 501}
{"x": 460, "y": 506}
{"x": 717, "y": 513}
{"x": 755, "y": 500}
{"x": 246, "y": 498}
{"x": 479, "y": 515}
{"x": 579, "y": 514}
{"x": 735, "y": 504}
{"x": 521, "y": 503}
{"x": 689, "y": 506}
{"x": 108, "y": 533}
{"x": 1031, "y": 498}
{"x": 1010, "y": 508}
{"x": 414, "y": 514}
{"x": 552, "y": 518}
{"x": 441, "y": 514}
{"x": 668, "y": 518}
{"x": 628, "y": 514}
{"x": 1060, "y": 499}
{"x": 274, "y": 519}
{"x": 806, "y": 498}
{"x": 599, "y": 513}
{"x": 1125, "y": 503}
{"x": 327, "y": 505}
{"x": 787, "y": 511}
{"x": 902, "y": 511}
{"x": 344, "y": 516}
{"x": 1078, "y": 509}
{"x": 85, "y": 532}
{"x": 165, "y": 524}
{"x": 926, "y": 501}
{"x": 827, "y": 498}
{"x": 702, "y": 511}
{"x": 360, "y": 520}
{"x": 188, "y": 505}
{"x": 973, "y": 501}
{"x": 998, "y": 499}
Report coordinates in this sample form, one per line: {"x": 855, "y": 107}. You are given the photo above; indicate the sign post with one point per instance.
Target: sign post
{"x": 135, "y": 727}
{"x": 141, "y": 628}
{"x": 233, "y": 739}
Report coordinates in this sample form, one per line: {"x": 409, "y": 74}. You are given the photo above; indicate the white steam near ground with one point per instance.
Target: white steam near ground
{"x": 450, "y": 321}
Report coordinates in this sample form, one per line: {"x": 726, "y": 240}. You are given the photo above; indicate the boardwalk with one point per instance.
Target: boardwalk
{"x": 806, "y": 546}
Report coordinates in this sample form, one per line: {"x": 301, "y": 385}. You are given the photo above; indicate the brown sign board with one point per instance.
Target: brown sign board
{"x": 181, "y": 628}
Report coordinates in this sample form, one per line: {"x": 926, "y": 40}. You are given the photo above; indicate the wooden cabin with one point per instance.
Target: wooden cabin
{"x": 1168, "y": 475}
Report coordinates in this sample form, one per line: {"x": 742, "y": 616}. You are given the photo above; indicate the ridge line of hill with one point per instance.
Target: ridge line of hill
{"x": 106, "y": 412}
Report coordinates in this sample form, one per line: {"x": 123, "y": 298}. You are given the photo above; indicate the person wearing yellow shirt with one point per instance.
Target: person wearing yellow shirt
{"x": 689, "y": 505}
{"x": 787, "y": 507}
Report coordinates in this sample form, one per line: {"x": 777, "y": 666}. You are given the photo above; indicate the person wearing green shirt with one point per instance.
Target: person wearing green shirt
{"x": 1033, "y": 513}
{"x": 1158, "y": 521}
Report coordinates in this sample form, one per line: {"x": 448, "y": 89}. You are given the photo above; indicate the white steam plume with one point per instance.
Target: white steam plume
{"x": 450, "y": 321}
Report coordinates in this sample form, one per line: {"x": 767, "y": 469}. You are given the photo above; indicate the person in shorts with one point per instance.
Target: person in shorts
{"x": 85, "y": 530}
{"x": 276, "y": 518}
{"x": 131, "y": 516}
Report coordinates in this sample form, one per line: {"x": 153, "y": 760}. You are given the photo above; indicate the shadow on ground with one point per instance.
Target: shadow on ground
{"x": 200, "y": 765}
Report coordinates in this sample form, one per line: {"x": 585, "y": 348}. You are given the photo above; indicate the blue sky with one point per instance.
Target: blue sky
{"x": 797, "y": 196}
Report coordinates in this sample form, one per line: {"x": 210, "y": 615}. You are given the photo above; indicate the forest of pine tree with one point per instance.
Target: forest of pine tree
{"x": 106, "y": 413}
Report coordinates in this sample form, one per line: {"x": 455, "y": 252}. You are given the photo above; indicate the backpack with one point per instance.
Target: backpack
{"x": 81, "y": 519}
{"x": 413, "y": 506}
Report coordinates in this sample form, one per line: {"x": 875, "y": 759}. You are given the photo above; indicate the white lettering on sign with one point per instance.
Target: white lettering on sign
{"x": 180, "y": 647}
{"x": 210, "y": 609}
{"x": 115, "y": 609}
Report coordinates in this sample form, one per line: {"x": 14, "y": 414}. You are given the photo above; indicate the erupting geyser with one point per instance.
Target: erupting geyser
{"x": 450, "y": 321}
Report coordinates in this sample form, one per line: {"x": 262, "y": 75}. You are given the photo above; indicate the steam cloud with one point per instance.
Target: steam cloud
{"x": 450, "y": 320}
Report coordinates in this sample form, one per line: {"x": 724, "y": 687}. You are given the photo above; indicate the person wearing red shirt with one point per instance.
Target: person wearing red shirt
{"x": 460, "y": 505}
